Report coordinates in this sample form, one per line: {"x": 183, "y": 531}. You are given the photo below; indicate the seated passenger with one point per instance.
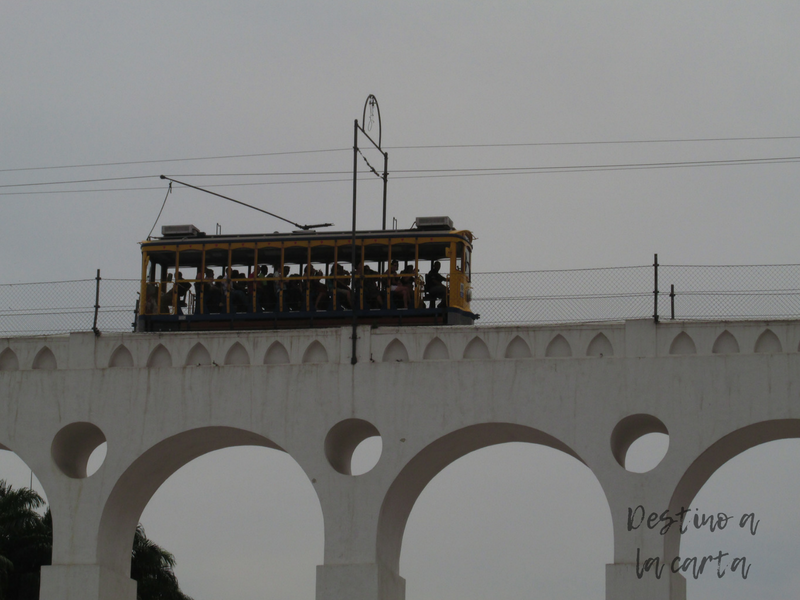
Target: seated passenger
{"x": 398, "y": 286}
{"x": 265, "y": 290}
{"x": 319, "y": 291}
{"x": 199, "y": 285}
{"x": 372, "y": 293}
{"x": 292, "y": 291}
{"x": 342, "y": 288}
{"x": 237, "y": 290}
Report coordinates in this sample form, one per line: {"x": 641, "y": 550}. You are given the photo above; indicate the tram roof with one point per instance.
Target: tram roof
{"x": 203, "y": 238}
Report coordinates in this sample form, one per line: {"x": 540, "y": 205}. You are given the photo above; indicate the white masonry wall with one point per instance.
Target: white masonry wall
{"x": 433, "y": 394}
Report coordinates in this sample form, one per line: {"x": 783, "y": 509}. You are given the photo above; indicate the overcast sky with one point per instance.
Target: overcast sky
{"x": 499, "y": 85}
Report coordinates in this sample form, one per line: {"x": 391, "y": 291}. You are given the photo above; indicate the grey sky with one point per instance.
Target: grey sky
{"x": 91, "y": 82}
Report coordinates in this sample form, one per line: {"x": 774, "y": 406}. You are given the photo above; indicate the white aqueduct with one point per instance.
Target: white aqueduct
{"x": 588, "y": 390}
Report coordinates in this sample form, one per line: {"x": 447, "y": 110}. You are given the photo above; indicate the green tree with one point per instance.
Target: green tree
{"x": 26, "y": 543}
{"x": 152, "y": 567}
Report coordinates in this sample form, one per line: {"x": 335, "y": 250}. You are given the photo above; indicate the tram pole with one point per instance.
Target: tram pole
{"x": 353, "y": 357}
{"x": 372, "y": 103}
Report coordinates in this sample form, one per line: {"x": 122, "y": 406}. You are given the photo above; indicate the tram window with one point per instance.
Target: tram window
{"x": 321, "y": 255}
{"x": 468, "y": 263}
{"x": 297, "y": 258}
{"x": 460, "y": 256}
{"x": 405, "y": 254}
{"x": 344, "y": 255}
{"x": 431, "y": 252}
{"x": 244, "y": 259}
{"x": 270, "y": 256}
{"x": 190, "y": 263}
{"x": 377, "y": 252}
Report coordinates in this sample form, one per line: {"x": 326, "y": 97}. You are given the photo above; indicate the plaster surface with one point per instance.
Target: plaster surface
{"x": 432, "y": 394}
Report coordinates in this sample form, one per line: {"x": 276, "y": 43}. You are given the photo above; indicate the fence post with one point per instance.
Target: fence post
{"x": 96, "y": 303}
{"x": 672, "y": 301}
{"x": 655, "y": 289}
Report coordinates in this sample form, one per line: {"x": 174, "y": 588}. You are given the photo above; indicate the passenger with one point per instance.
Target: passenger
{"x": 237, "y": 290}
{"x": 319, "y": 292}
{"x": 372, "y": 293}
{"x": 292, "y": 291}
{"x": 215, "y": 293}
{"x": 183, "y": 288}
{"x": 399, "y": 290}
{"x": 338, "y": 286}
{"x": 265, "y": 290}
{"x": 407, "y": 281}
{"x": 434, "y": 285}
{"x": 199, "y": 285}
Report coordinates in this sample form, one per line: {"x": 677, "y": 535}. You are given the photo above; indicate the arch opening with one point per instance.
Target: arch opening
{"x": 491, "y": 521}
{"x": 500, "y": 450}
{"x": 17, "y": 473}
{"x": 239, "y": 521}
{"x": 747, "y": 476}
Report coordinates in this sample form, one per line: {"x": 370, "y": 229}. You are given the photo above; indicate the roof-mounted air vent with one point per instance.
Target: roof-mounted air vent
{"x": 180, "y": 231}
{"x": 437, "y": 223}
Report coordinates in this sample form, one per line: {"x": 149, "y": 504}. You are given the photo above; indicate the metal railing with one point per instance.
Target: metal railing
{"x": 659, "y": 292}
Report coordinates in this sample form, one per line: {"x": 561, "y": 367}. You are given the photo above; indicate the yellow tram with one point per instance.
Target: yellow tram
{"x": 418, "y": 276}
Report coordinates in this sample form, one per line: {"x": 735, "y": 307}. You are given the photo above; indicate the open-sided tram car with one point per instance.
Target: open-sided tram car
{"x": 194, "y": 281}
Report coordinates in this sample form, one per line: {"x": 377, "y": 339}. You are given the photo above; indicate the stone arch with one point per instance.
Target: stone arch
{"x": 725, "y": 344}
{"x": 121, "y": 357}
{"x": 395, "y": 352}
{"x": 45, "y": 360}
{"x": 146, "y": 474}
{"x": 600, "y": 346}
{"x": 429, "y": 462}
{"x": 716, "y": 455}
{"x": 8, "y": 360}
{"x": 476, "y": 349}
{"x": 518, "y": 348}
{"x": 682, "y": 345}
{"x": 315, "y": 353}
{"x": 768, "y": 342}
{"x": 558, "y": 348}
{"x": 276, "y": 354}
{"x": 159, "y": 357}
{"x": 436, "y": 350}
{"x": 198, "y": 356}
{"x": 237, "y": 355}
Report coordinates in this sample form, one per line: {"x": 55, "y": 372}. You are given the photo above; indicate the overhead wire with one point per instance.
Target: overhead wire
{"x": 599, "y": 142}
{"x": 410, "y": 147}
{"x": 413, "y": 173}
{"x": 166, "y": 160}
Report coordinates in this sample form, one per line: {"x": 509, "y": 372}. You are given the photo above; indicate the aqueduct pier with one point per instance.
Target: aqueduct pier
{"x": 432, "y": 394}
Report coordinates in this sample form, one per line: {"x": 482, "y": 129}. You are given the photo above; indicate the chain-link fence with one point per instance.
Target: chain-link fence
{"x": 655, "y": 291}
{"x": 563, "y": 296}
{"x": 730, "y": 292}
{"x": 64, "y": 306}
{"x": 527, "y": 297}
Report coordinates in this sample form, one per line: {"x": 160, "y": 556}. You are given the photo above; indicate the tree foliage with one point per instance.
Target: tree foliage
{"x": 26, "y": 543}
